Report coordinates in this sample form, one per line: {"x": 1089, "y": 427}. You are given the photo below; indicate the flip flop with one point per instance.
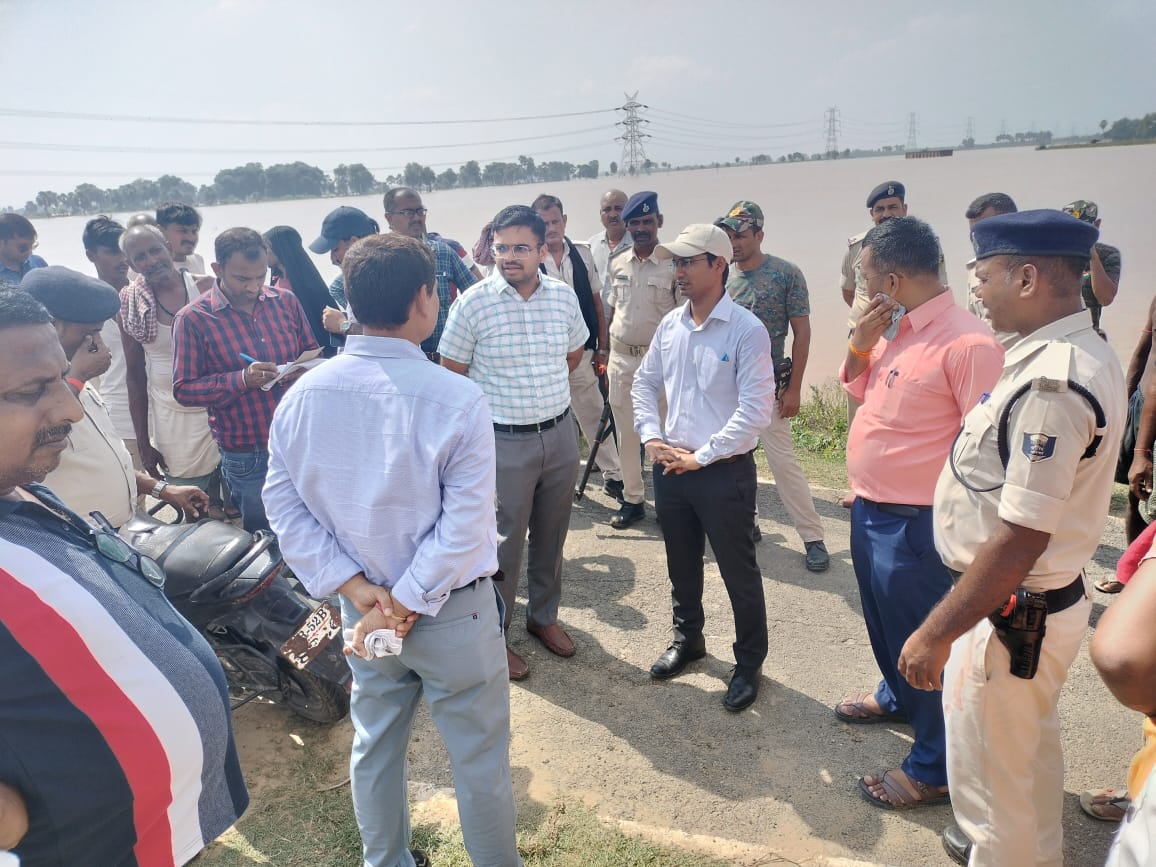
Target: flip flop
{"x": 1108, "y": 585}
{"x": 904, "y": 792}
{"x": 1105, "y": 805}
{"x": 862, "y": 715}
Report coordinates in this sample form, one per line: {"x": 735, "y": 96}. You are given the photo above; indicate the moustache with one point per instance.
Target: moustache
{"x": 52, "y": 434}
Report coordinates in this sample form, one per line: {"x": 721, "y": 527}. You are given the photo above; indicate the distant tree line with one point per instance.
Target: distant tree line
{"x": 1129, "y": 129}
{"x": 254, "y": 182}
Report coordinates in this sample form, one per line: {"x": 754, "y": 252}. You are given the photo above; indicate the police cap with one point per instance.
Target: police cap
{"x": 886, "y": 190}
{"x": 640, "y": 205}
{"x": 1033, "y": 233}
{"x": 71, "y": 296}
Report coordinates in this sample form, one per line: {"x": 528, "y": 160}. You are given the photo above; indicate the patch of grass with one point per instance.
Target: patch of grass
{"x": 820, "y": 428}
{"x": 305, "y": 822}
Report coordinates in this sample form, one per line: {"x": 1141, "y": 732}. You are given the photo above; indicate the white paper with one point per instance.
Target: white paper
{"x": 379, "y": 643}
{"x": 307, "y": 359}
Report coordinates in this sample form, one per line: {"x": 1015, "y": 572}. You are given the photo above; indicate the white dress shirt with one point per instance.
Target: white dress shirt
{"x": 719, "y": 381}
{"x": 383, "y": 463}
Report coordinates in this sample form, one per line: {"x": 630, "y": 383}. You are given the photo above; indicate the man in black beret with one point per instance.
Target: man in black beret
{"x": 96, "y": 472}
{"x": 1019, "y": 510}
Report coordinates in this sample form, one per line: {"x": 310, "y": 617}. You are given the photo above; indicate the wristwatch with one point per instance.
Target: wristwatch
{"x": 346, "y": 325}
{"x": 159, "y": 488}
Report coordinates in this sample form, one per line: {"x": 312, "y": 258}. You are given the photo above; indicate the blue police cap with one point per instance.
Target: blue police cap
{"x": 640, "y": 204}
{"x": 1033, "y": 233}
{"x": 886, "y": 190}
{"x": 71, "y": 296}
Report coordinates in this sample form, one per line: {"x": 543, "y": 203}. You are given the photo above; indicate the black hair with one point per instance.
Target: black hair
{"x": 15, "y": 226}
{"x": 904, "y": 245}
{"x": 520, "y": 215}
{"x": 102, "y": 231}
{"x": 177, "y": 212}
{"x": 383, "y": 274}
{"x": 20, "y": 308}
{"x": 1001, "y": 203}
{"x": 392, "y": 195}
{"x": 1064, "y": 274}
{"x": 303, "y": 276}
{"x": 545, "y": 202}
{"x": 710, "y": 257}
{"x": 239, "y": 240}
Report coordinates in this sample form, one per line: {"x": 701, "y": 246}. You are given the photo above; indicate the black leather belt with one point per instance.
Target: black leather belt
{"x": 734, "y": 458}
{"x": 472, "y": 584}
{"x": 536, "y": 427}
{"x": 1058, "y": 600}
{"x": 901, "y": 509}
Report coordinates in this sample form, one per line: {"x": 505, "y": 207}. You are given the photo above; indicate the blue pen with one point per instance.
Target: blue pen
{"x": 248, "y": 358}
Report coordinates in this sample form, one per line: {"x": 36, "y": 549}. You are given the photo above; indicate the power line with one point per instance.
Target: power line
{"x": 717, "y": 123}
{"x": 136, "y": 118}
{"x": 633, "y": 153}
{"x": 832, "y": 118}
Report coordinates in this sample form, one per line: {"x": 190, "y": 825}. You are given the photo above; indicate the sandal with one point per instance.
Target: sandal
{"x": 1105, "y": 805}
{"x": 1108, "y": 585}
{"x": 854, "y": 710}
{"x": 903, "y": 792}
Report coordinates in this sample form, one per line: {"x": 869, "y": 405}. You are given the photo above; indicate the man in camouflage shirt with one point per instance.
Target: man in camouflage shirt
{"x": 1102, "y": 279}
{"x": 776, "y": 292}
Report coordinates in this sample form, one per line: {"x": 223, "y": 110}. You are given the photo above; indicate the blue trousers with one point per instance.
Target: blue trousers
{"x": 244, "y": 473}
{"x": 901, "y": 578}
{"x": 457, "y": 660}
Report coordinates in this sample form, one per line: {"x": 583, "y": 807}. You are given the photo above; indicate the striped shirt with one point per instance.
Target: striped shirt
{"x": 516, "y": 347}
{"x": 209, "y": 336}
{"x": 450, "y": 270}
{"x": 115, "y": 722}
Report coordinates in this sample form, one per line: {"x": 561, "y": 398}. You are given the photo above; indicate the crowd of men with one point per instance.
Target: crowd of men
{"x": 983, "y": 441}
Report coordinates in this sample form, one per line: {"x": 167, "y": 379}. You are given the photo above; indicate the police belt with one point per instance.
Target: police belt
{"x": 536, "y": 427}
{"x": 1058, "y": 600}
{"x": 626, "y": 348}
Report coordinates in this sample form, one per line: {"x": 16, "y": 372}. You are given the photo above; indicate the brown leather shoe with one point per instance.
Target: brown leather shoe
{"x": 518, "y": 667}
{"x": 554, "y": 637}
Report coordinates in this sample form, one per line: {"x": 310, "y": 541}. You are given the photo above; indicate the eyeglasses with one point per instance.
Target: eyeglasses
{"x": 112, "y": 547}
{"x": 517, "y": 251}
{"x": 409, "y": 213}
{"x": 686, "y": 263}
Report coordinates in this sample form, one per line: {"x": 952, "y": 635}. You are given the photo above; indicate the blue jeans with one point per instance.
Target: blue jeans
{"x": 244, "y": 473}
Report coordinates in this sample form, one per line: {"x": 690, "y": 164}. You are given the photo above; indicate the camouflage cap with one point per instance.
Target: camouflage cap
{"x": 742, "y": 215}
{"x": 1082, "y": 210}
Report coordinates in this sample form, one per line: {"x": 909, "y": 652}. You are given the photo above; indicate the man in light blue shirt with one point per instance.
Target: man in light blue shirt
{"x": 17, "y": 241}
{"x": 712, "y": 358}
{"x": 400, "y": 521}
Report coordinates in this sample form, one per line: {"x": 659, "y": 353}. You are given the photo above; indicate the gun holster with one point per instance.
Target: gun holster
{"x": 783, "y": 375}
{"x": 1021, "y": 625}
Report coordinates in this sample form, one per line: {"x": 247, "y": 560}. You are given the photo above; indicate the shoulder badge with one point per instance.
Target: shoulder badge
{"x": 1038, "y": 446}
{"x": 855, "y": 239}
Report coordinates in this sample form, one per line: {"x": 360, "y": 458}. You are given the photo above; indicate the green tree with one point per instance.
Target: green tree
{"x": 447, "y": 180}
{"x": 241, "y": 184}
{"x": 170, "y": 188}
{"x": 412, "y": 175}
{"x": 471, "y": 174}
{"x": 341, "y": 180}
{"x": 613, "y": 167}
{"x": 361, "y": 180}
{"x": 428, "y": 178}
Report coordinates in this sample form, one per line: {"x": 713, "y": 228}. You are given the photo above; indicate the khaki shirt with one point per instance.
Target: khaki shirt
{"x": 641, "y": 291}
{"x": 95, "y": 472}
{"x": 852, "y": 279}
{"x": 1047, "y": 486}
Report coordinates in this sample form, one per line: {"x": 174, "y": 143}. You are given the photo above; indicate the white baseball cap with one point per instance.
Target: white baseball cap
{"x": 695, "y": 239}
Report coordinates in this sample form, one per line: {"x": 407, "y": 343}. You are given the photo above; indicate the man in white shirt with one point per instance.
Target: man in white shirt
{"x": 613, "y": 236}
{"x": 181, "y": 225}
{"x": 712, "y": 358}
{"x": 409, "y": 541}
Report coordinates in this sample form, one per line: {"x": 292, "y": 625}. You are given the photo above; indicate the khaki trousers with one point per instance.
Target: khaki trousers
{"x": 1005, "y": 765}
{"x": 789, "y": 479}
{"x": 621, "y": 369}
{"x": 586, "y": 404}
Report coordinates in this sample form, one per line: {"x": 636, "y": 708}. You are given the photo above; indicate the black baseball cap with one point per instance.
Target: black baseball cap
{"x": 341, "y": 224}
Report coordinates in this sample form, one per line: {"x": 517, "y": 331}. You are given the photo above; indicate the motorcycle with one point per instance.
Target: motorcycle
{"x": 272, "y": 639}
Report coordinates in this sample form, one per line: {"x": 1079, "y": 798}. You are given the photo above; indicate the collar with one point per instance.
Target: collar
{"x": 8, "y": 507}
{"x": 926, "y": 313}
{"x": 371, "y": 346}
{"x": 218, "y": 301}
{"x": 501, "y": 285}
{"x": 1061, "y": 329}
{"x": 721, "y": 311}
{"x": 650, "y": 258}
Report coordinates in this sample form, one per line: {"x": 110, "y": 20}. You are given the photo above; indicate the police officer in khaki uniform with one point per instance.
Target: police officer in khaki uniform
{"x": 1019, "y": 509}
{"x": 884, "y": 202}
{"x": 640, "y": 291}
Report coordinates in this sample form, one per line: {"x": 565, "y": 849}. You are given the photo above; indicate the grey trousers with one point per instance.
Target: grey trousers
{"x": 457, "y": 659}
{"x": 536, "y": 476}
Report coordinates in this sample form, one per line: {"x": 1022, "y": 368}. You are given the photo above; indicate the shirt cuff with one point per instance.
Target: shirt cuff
{"x": 649, "y": 432}
{"x": 704, "y": 456}
{"x": 1030, "y": 509}
{"x": 331, "y": 577}
{"x": 856, "y": 387}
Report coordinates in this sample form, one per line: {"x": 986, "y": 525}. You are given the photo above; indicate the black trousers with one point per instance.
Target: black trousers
{"x": 715, "y": 503}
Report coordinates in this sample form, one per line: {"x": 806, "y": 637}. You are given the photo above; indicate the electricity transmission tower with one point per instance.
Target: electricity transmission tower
{"x": 969, "y": 136}
{"x": 633, "y": 153}
{"x": 831, "y": 116}
{"x": 912, "y": 131}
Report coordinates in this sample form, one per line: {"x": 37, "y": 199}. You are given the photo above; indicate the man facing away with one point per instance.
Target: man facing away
{"x": 1019, "y": 509}
{"x": 712, "y": 358}
{"x": 571, "y": 263}
{"x": 918, "y": 363}
{"x": 519, "y": 334}
{"x": 226, "y": 346}
{"x": 409, "y": 541}
{"x": 776, "y": 292}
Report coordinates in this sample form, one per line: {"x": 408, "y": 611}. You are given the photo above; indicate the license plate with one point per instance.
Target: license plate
{"x": 319, "y": 628}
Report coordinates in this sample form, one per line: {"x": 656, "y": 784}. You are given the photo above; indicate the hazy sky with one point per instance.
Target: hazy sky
{"x": 765, "y": 71}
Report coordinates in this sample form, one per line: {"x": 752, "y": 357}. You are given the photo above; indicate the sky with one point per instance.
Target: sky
{"x": 367, "y": 77}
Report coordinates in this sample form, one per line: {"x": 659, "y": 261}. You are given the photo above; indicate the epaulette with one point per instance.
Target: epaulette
{"x": 855, "y": 239}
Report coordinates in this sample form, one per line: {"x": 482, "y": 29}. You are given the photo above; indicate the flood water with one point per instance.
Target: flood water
{"x": 811, "y": 209}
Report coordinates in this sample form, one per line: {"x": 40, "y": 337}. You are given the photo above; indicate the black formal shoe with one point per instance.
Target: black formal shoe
{"x": 956, "y": 844}
{"x": 420, "y": 858}
{"x": 613, "y": 487}
{"x": 818, "y": 560}
{"x": 628, "y": 513}
{"x": 677, "y": 657}
{"x": 743, "y": 689}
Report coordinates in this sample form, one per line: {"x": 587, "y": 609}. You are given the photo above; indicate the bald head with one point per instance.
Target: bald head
{"x": 610, "y": 212}
{"x": 141, "y": 219}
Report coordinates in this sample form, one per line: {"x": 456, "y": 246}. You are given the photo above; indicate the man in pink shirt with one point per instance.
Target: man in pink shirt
{"x": 918, "y": 363}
